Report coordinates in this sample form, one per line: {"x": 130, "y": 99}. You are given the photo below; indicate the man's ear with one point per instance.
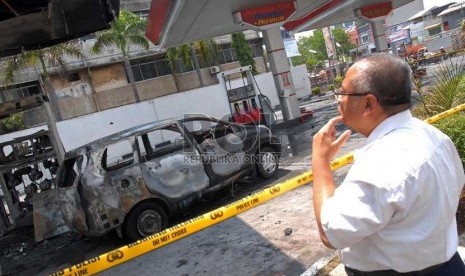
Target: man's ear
{"x": 371, "y": 103}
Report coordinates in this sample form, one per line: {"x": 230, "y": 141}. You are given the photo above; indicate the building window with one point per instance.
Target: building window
{"x": 226, "y": 56}
{"x": 73, "y": 77}
{"x": 257, "y": 50}
{"x": 434, "y": 31}
{"x": 19, "y": 91}
{"x": 150, "y": 68}
{"x": 365, "y": 39}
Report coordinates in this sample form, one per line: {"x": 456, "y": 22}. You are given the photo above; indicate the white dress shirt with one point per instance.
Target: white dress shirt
{"x": 396, "y": 207}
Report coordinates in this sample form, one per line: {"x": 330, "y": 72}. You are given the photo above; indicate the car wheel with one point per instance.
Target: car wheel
{"x": 145, "y": 219}
{"x": 268, "y": 163}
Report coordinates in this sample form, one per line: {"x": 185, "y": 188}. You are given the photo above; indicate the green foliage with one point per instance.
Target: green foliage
{"x": 454, "y": 127}
{"x": 446, "y": 91}
{"x": 342, "y": 38}
{"x": 128, "y": 29}
{"x": 184, "y": 52}
{"x": 338, "y": 81}
{"x": 53, "y": 56}
{"x": 316, "y": 91}
{"x": 243, "y": 51}
{"x": 209, "y": 52}
{"x": 308, "y": 45}
{"x": 12, "y": 123}
{"x": 170, "y": 59}
{"x": 312, "y": 50}
{"x": 331, "y": 87}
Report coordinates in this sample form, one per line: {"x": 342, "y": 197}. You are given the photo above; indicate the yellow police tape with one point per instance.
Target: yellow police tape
{"x": 189, "y": 227}
{"x": 445, "y": 114}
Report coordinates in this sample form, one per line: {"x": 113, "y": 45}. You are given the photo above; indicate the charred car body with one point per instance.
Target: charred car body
{"x": 134, "y": 180}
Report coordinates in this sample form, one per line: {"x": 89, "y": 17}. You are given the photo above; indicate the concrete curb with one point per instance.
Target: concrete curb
{"x": 319, "y": 265}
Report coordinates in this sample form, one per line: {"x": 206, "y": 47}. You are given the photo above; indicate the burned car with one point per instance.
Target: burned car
{"x": 134, "y": 180}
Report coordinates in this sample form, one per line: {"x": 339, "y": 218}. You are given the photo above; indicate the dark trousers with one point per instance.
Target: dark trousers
{"x": 453, "y": 267}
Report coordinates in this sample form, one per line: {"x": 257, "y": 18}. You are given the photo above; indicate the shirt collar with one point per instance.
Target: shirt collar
{"x": 389, "y": 124}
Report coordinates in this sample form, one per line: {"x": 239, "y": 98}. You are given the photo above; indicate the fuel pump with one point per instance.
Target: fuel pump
{"x": 245, "y": 105}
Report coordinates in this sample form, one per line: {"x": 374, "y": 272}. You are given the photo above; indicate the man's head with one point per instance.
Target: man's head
{"x": 383, "y": 84}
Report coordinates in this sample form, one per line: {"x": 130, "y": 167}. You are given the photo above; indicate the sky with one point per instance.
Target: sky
{"x": 426, "y": 3}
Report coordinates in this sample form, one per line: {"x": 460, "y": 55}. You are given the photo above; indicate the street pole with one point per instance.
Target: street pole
{"x": 335, "y": 59}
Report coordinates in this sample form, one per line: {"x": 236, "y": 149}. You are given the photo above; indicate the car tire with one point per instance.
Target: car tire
{"x": 145, "y": 219}
{"x": 267, "y": 163}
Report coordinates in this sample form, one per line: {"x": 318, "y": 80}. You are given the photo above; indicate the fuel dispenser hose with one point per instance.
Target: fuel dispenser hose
{"x": 265, "y": 97}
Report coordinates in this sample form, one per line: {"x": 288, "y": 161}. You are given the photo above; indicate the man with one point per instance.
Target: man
{"x": 395, "y": 211}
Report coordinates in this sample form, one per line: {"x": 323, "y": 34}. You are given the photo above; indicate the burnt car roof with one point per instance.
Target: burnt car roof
{"x": 131, "y": 131}
{"x": 121, "y": 135}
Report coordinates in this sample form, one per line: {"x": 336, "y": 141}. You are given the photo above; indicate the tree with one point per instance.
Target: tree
{"x": 12, "y": 123}
{"x": 341, "y": 38}
{"x": 51, "y": 56}
{"x": 184, "y": 52}
{"x": 127, "y": 30}
{"x": 243, "y": 51}
{"x": 207, "y": 50}
{"x": 316, "y": 43}
{"x": 170, "y": 59}
{"x": 312, "y": 50}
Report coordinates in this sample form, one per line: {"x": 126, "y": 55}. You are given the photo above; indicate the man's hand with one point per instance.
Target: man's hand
{"x": 325, "y": 145}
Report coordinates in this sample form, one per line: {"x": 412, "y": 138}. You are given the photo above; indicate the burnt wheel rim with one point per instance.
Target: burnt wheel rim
{"x": 149, "y": 222}
{"x": 269, "y": 162}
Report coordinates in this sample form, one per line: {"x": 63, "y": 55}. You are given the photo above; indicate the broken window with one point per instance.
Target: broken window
{"x": 118, "y": 155}
{"x": 160, "y": 142}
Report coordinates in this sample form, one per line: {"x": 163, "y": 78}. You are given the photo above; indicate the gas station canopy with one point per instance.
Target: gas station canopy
{"x": 173, "y": 22}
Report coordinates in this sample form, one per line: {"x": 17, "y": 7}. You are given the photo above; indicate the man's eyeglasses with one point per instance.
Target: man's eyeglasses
{"x": 338, "y": 95}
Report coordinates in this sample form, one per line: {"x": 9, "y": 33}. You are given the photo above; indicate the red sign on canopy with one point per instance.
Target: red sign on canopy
{"x": 376, "y": 11}
{"x": 268, "y": 15}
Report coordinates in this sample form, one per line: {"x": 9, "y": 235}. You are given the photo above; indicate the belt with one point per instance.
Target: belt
{"x": 424, "y": 272}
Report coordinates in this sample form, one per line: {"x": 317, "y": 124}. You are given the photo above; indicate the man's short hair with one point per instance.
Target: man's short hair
{"x": 386, "y": 76}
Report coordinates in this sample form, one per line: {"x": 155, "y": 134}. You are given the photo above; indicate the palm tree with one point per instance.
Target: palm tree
{"x": 127, "y": 30}
{"x": 446, "y": 91}
{"x": 170, "y": 59}
{"x": 207, "y": 50}
{"x": 51, "y": 56}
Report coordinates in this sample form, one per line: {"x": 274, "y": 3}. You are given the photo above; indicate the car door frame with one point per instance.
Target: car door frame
{"x": 214, "y": 178}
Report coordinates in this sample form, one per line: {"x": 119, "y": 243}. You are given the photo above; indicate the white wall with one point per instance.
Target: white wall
{"x": 81, "y": 130}
{"x": 210, "y": 100}
{"x": 435, "y": 45}
{"x": 403, "y": 13}
{"x": 301, "y": 81}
